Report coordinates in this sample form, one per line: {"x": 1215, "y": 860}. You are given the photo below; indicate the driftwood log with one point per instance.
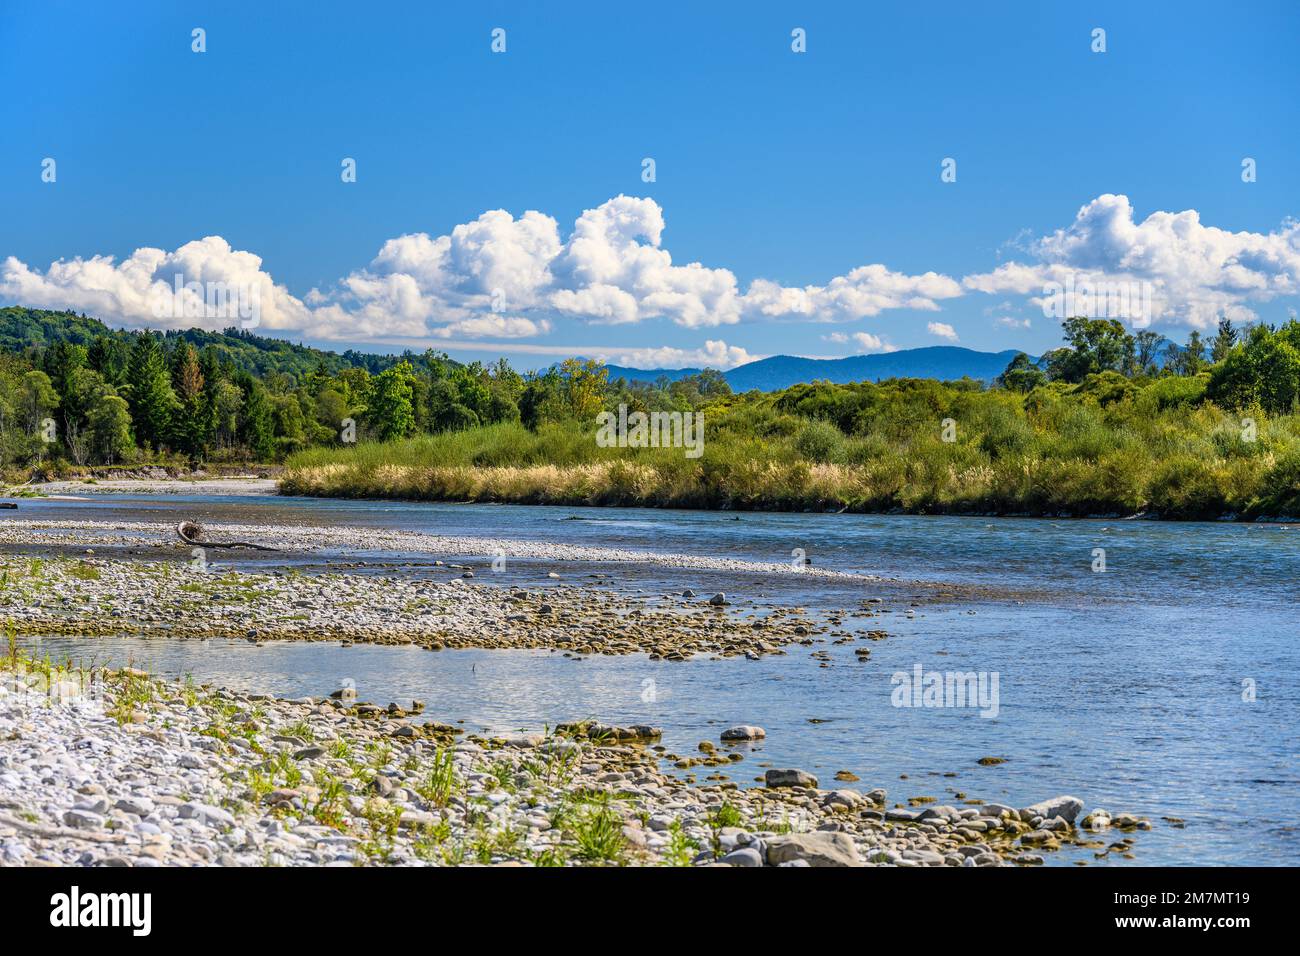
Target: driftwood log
{"x": 192, "y": 533}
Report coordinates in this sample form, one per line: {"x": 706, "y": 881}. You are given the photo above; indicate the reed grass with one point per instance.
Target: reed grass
{"x": 866, "y": 448}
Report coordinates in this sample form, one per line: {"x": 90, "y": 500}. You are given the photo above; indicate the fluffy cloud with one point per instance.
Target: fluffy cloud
{"x": 942, "y": 329}
{"x": 865, "y": 341}
{"x": 715, "y": 354}
{"x": 1186, "y": 272}
{"x": 502, "y": 277}
{"x": 495, "y": 327}
{"x": 612, "y": 269}
{"x": 865, "y": 291}
{"x": 204, "y": 283}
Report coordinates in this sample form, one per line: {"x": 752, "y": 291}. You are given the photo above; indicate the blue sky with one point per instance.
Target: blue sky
{"x": 789, "y": 168}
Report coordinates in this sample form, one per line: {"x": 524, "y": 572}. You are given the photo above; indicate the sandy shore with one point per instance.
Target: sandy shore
{"x": 120, "y": 769}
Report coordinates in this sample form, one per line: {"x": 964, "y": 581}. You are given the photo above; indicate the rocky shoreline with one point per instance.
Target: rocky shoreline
{"x": 106, "y": 767}
{"x": 117, "y": 768}
{"x": 93, "y": 596}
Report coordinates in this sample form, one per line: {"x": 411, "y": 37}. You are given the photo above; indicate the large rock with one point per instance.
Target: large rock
{"x": 744, "y": 732}
{"x": 745, "y": 856}
{"x": 790, "y": 778}
{"x": 814, "y": 849}
{"x": 1067, "y": 808}
{"x": 938, "y": 812}
{"x": 842, "y": 798}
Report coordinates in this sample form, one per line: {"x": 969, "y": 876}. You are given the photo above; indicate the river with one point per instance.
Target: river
{"x": 1164, "y": 685}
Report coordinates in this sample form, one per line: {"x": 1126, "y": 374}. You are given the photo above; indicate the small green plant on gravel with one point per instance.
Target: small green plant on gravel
{"x": 427, "y": 842}
{"x": 84, "y": 571}
{"x": 259, "y": 785}
{"x": 725, "y": 815}
{"x": 488, "y": 840}
{"x": 783, "y": 826}
{"x": 282, "y": 764}
{"x": 189, "y": 691}
{"x": 341, "y": 749}
{"x": 454, "y": 854}
{"x": 300, "y": 729}
{"x": 382, "y": 820}
{"x": 133, "y": 692}
{"x": 440, "y": 782}
{"x": 680, "y": 849}
{"x": 502, "y": 773}
{"x": 551, "y": 856}
{"x": 329, "y": 808}
{"x": 380, "y": 753}
{"x": 598, "y": 832}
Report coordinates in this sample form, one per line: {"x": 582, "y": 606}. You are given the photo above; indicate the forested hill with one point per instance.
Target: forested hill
{"x": 23, "y": 330}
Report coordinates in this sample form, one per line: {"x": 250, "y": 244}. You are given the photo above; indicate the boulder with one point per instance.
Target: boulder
{"x": 744, "y": 732}
{"x": 1067, "y": 808}
{"x": 790, "y": 778}
{"x": 842, "y": 798}
{"x": 813, "y": 849}
{"x": 745, "y": 856}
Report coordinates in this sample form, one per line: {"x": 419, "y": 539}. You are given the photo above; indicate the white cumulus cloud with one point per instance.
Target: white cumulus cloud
{"x": 505, "y": 277}
{"x": 865, "y": 341}
{"x": 942, "y": 329}
{"x": 612, "y": 269}
{"x": 1192, "y": 272}
{"x": 714, "y": 354}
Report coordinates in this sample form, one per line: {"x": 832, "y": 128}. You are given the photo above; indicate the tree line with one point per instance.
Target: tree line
{"x": 72, "y": 390}
{"x": 1236, "y": 368}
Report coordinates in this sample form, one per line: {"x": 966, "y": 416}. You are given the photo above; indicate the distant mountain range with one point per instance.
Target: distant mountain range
{"x": 781, "y": 371}
{"x": 22, "y": 329}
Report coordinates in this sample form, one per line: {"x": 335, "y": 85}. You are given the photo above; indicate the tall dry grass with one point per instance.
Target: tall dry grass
{"x": 869, "y": 448}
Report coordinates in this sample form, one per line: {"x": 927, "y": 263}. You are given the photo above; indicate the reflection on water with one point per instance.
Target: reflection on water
{"x": 1124, "y": 688}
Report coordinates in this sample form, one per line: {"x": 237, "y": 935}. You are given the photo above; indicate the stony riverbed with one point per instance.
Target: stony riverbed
{"x": 118, "y": 768}
{"x": 91, "y": 595}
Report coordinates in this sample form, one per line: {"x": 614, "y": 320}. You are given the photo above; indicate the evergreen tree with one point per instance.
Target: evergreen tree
{"x": 188, "y": 427}
{"x": 62, "y": 360}
{"x": 108, "y": 357}
{"x": 257, "y": 427}
{"x": 1222, "y": 343}
{"x": 151, "y": 399}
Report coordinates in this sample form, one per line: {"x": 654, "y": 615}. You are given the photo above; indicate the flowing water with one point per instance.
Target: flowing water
{"x": 1167, "y": 685}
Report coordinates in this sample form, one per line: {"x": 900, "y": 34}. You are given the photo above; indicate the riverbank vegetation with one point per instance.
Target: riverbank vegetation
{"x": 1097, "y": 427}
{"x": 1112, "y": 423}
